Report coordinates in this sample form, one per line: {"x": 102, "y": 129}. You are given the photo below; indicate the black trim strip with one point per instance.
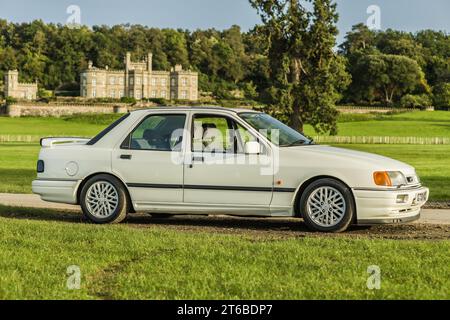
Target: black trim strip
{"x": 58, "y": 180}
{"x": 155, "y": 186}
{"x": 203, "y": 187}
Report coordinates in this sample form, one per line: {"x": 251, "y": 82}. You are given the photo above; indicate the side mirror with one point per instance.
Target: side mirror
{"x": 252, "y": 147}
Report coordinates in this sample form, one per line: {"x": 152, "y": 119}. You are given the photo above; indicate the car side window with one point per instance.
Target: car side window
{"x": 157, "y": 133}
{"x": 218, "y": 134}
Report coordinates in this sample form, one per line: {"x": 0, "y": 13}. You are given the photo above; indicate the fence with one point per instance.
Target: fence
{"x": 363, "y": 109}
{"x": 318, "y": 139}
{"x": 383, "y": 140}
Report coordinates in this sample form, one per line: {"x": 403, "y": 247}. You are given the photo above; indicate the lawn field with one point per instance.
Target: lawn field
{"x": 18, "y": 162}
{"x": 78, "y": 126}
{"x": 411, "y": 124}
{"x": 156, "y": 262}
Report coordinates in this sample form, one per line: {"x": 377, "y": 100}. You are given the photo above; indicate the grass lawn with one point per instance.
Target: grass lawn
{"x": 18, "y": 162}
{"x": 79, "y": 125}
{"x": 155, "y": 262}
{"x": 411, "y": 124}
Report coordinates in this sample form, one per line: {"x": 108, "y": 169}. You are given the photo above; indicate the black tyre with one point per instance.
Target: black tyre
{"x": 327, "y": 205}
{"x": 104, "y": 200}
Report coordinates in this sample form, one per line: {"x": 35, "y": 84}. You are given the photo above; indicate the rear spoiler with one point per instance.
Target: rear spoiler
{"x": 50, "y": 142}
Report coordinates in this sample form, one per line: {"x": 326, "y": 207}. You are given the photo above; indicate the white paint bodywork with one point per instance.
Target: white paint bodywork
{"x": 156, "y": 183}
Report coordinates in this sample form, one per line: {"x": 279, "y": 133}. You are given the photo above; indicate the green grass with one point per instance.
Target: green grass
{"x": 79, "y": 125}
{"x": 18, "y": 162}
{"x": 17, "y": 167}
{"x": 411, "y": 124}
{"x": 154, "y": 262}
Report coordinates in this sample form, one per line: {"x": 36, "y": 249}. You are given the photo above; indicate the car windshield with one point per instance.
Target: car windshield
{"x": 276, "y": 131}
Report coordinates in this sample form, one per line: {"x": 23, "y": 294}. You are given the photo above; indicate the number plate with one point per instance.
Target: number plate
{"x": 421, "y": 197}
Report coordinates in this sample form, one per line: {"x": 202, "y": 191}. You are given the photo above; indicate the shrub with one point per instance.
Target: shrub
{"x": 441, "y": 95}
{"x": 10, "y": 100}
{"x": 158, "y": 101}
{"x": 129, "y": 100}
{"x": 250, "y": 90}
{"x": 415, "y": 101}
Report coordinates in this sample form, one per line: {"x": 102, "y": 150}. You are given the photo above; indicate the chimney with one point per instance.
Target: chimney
{"x": 127, "y": 60}
{"x": 150, "y": 62}
{"x": 90, "y": 64}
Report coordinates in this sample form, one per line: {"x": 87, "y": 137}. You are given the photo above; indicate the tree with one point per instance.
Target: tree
{"x": 389, "y": 76}
{"x": 441, "y": 95}
{"x": 306, "y": 73}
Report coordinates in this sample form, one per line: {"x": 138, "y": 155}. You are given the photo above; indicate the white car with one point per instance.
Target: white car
{"x": 207, "y": 160}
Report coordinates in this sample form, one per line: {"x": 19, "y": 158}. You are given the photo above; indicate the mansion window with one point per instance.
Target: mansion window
{"x": 94, "y": 93}
{"x": 131, "y": 81}
{"x": 94, "y": 82}
{"x": 173, "y": 82}
{"x": 153, "y": 81}
{"x": 112, "y": 94}
{"x": 184, "y": 95}
{"x": 163, "y": 82}
{"x": 121, "y": 95}
{"x": 138, "y": 80}
{"x": 173, "y": 94}
{"x": 163, "y": 94}
{"x": 112, "y": 80}
{"x": 138, "y": 94}
{"x": 154, "y": 94}
{"x": 121, "y": 81}
{"x": 184, "y": 82}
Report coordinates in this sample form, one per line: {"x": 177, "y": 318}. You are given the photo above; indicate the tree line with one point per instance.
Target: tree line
{"x": 290, "y": 62}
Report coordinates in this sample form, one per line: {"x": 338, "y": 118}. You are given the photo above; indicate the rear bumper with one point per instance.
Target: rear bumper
{"x": 382, "y": 207}
{"x": 59, "y": 191}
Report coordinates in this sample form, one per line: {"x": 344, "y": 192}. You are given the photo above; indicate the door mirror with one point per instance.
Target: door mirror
{"x": 252, "y": 147}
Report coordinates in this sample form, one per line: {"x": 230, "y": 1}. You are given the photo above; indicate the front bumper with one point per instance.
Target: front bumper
{"x": 59, "y": 191}
{"x": 381, "y": 206}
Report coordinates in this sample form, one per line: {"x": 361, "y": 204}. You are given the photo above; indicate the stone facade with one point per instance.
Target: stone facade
{"x": 13, "y": 88}
{"x": 139, "y": 81}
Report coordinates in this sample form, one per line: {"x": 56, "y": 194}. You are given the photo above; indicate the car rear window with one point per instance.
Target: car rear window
{"x": 98, "y": 137}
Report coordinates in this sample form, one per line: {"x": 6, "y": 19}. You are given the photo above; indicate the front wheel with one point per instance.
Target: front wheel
{"x": 327, "y": 206}
{"x": 104, "y": 200}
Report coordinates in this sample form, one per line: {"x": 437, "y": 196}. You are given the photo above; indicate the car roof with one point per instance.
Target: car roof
{"x": 196, "y": 108}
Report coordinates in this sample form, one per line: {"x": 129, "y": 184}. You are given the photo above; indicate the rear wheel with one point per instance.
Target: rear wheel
{"x": 327, "y": 205}
{"x": 104, "y": 200}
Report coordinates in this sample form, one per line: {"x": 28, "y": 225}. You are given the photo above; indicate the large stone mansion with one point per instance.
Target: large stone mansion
{"x": 15, "y": 89}
{"x": 139, "y": 81}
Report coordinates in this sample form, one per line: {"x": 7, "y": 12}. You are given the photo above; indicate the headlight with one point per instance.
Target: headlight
{"x": 389, "y": 178}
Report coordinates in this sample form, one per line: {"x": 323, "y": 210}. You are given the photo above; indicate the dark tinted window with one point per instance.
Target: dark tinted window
{"x": 158, "y": 133}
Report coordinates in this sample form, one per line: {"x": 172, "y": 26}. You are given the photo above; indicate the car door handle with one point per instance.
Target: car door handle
{"x": 198, "y": 159}
{"x": 126, "y": 157}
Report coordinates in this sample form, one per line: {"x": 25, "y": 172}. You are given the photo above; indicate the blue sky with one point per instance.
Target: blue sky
{"x": 408, "y": 15}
